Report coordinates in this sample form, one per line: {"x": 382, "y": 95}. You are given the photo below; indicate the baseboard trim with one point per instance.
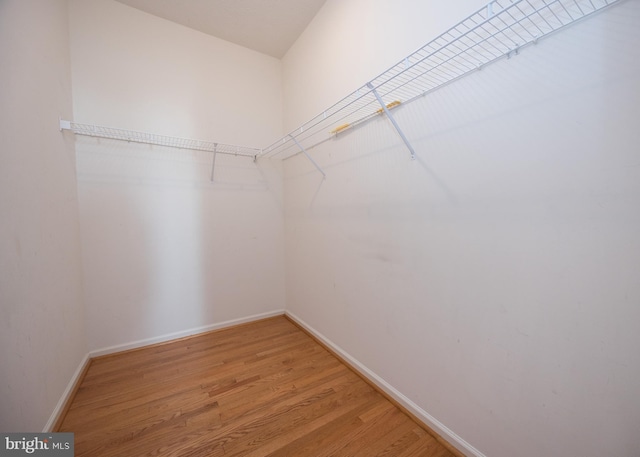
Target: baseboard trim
{"x": 450, "y": 439}
{"x": 59, "y": 412}
{"x": 65, "y": 400}
{"x": 182, "y": 334}
{"x": 438, "y": 429}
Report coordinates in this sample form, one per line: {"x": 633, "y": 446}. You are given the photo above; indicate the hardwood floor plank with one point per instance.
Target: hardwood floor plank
{"x": 369, "y": 433}
{"x": 264, "y": 389}
{"x": 321, "y": 434}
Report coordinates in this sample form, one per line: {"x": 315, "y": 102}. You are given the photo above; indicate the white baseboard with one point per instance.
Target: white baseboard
{"x": 182, "y": 333}
{"x": 416, "y": 410}
{"x": 65, "y": 395}
{"x": 140, "y": 343}
{"x": 425, "y": 417}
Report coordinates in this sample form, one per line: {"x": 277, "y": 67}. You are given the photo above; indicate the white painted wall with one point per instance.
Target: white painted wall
{"x": 42, "y": 337}
{"x": 494, "y": 281}
{"x": 349, "y": 43}
{"x": 164, "y": 249}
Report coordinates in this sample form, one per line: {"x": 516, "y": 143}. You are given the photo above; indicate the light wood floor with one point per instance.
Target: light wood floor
{"x": 260, "y": 389}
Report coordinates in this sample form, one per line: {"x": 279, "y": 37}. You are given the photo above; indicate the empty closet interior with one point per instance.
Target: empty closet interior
{"x": 447, "y": 194}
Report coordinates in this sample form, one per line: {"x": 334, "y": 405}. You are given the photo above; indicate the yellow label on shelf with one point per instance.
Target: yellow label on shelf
{"x": 340, "y": 128}
{"x": 393, "y": 104}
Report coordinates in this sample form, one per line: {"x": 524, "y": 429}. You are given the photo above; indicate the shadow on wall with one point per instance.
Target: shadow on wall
{"x": 158, "y": 237}
{"x": 523, "y": 287}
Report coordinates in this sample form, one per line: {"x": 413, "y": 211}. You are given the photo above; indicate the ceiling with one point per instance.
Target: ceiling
{"x": 267, "y": 26}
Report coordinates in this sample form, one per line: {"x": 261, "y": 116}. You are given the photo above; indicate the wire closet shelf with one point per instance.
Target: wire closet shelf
{"x": 132, "y": 136}
{"x": 493, "y": 32}
{"x": 496, "y": 31}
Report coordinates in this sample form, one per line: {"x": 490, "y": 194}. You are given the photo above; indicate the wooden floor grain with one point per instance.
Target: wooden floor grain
{"x": 259, "y": 389}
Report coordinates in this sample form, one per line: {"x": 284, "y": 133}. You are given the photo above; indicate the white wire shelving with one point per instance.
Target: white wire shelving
{"x": 499, "y": 30}
{"x": 133, "y": 136}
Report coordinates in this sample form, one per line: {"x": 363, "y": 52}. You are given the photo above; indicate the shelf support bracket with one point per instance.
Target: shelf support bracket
{"x": 213, "y": 162}
{"x": 393, "y": 121}
{"x": 65, "y": 125}
{"x": 308, "y": 156}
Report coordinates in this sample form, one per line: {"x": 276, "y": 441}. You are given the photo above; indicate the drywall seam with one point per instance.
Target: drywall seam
{"x": 420, "y": 413}
{"x": 183, "y": 333}
{"x": 66, "y": 394}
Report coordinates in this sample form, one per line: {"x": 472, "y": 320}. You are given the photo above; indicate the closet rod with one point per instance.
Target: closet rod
{"x": 132, "y": 136}
{"x": 498, "y": 30}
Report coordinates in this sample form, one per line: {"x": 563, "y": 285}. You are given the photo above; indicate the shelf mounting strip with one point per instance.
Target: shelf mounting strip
{"x": 132, "y": 136}
{"x": 498, "y": 30}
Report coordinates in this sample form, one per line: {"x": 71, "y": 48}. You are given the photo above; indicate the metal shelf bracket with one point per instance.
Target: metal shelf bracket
{"x": 393, "y": 121}
{"x": 303, "y": 150}
{"x": 213, "y": 161}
